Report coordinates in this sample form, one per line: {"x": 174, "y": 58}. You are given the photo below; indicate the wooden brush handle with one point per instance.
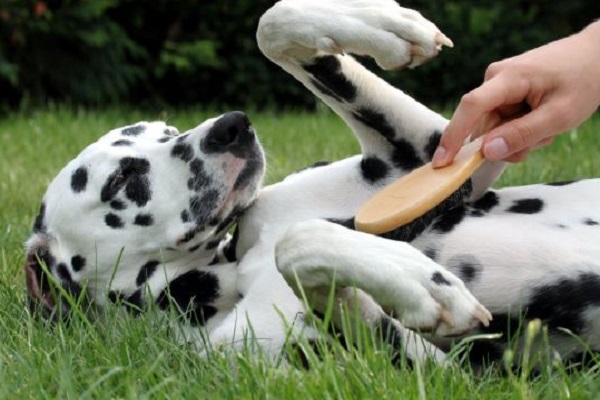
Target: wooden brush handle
{"x": 415, "y": 194}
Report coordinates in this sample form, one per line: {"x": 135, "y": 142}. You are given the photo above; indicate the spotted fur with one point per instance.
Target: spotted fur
{"x": 143, "y": 215}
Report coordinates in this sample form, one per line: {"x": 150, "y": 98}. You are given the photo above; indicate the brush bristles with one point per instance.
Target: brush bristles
{"x": 410, "y": 231}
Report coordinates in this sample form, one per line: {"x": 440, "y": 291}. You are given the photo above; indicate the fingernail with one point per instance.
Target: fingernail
{"x": 439, "y": 157}
{"x": 496, "y": 149}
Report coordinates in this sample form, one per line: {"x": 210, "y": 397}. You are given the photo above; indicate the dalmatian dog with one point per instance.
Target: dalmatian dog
{"x": 142, "y": 217}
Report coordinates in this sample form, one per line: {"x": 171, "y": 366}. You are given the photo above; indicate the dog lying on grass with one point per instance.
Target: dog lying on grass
{"x": 142, "y": 216}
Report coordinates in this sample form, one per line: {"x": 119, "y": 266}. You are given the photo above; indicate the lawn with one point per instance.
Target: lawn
{"x": 136, "y": 358}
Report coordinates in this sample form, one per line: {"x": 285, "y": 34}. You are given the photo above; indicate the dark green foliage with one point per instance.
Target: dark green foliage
{"x": 203, "y": 51}
{"x": 65, "y": 50}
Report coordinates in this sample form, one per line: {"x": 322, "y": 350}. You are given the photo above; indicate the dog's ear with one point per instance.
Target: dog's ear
{"x": 41, "y": 297}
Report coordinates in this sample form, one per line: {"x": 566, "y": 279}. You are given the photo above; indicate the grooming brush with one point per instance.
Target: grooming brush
{"x": 420, "y": 196}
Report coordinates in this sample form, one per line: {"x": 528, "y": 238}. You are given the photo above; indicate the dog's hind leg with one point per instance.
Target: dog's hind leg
{"x": 312, "y": 39}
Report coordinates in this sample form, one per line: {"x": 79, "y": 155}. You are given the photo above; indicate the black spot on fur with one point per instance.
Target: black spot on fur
{"x": 485, "y": 352}
{"x": 466, "y": 266}
{"x": 181, "y": 138}
{"x": 563, "y": 183}
{"x": 118, "y": 205}
{"x": 200, "y": 178}
{"x": 129, "y": 168}
{"x": 183, "y": 151}
{"x": 431, "y": 253}
{"x": 138, "y": 190}
{"x": 192, "y": 294}
{"x": 432, "y": 144}
{"x": 212, "y": 245}
{"x": 79, "y": 180}
{"x": 146, "y": 272}
{"x": 134, "y": 303}
{"x": 188, "y": 236}
{"x": 144, "y": 220}
{"x": 376, "y": 121}
{"x": 563, "y": 303}
{"x": 374, "y": 169}
{"x": 139, "y": 166}
{"x": 323, "y": 89}
{"x": 486, "y": 202}
{"x": 405, "y": 155}
{"x": 77, "y": 263}
{"x": 590, "y": 222}
{"x": 164, "y": 139}
{"x": 194, "y": 248}
{"x": 439, "y": 279}
{"x": 133, "y": 130}
{"x": 122, "y": 142}
{"x": 115, "y": 296}
{"x": 185, "y": 216}
{"x": 114, "y": 221}
{"x": 329, "y": 78}
{"x": 526, "y": 206}
{"x": 63, "y": 273}
{"x": 39, "y": 224}
{"x": 202, "y": 207}
{"x": 447, "y": 221}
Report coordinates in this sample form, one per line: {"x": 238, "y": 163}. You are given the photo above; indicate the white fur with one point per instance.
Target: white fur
{"x": 287, "y": 250}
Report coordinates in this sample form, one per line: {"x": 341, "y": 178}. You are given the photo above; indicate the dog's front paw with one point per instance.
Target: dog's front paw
{"x": 444, "y": 306}
{"x": 394, "y": 36}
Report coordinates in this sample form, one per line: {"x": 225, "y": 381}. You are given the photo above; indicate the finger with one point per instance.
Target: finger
{"x": 518, "y": 134}
{"x": 518, "y": 157}
{"x": 543, "y": 143}
{"x": 499, "y": 116}
{"x": 494, "y": 93}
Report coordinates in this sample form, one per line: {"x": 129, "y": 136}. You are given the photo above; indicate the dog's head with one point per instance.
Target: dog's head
{"x": 142, "y": 193}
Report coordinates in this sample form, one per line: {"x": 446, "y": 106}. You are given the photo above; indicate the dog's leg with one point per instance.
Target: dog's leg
{"x": 418, "y": 291}
{"x": 312, "y": 39}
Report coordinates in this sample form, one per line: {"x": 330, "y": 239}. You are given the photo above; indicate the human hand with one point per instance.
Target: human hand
{"x": 525, "y": 101}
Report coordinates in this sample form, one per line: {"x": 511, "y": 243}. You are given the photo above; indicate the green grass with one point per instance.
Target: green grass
{"x": 136, "y": 358}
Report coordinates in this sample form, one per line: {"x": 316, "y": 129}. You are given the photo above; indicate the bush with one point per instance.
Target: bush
{"x": 66, "y": 50}
{"x": 203, "y": 52}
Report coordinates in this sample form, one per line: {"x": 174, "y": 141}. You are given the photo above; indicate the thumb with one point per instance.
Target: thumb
{"x": 517, "y": 135}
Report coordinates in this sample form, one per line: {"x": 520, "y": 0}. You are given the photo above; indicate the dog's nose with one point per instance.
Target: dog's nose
{"x": 231, "y": 129}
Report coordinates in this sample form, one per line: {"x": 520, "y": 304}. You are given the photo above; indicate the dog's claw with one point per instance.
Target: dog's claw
{"x": 443, "y": 40}
{"x": 483, "y": 315}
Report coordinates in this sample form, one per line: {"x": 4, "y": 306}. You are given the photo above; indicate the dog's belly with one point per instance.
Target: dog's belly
{"x": 534, "y": 236}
